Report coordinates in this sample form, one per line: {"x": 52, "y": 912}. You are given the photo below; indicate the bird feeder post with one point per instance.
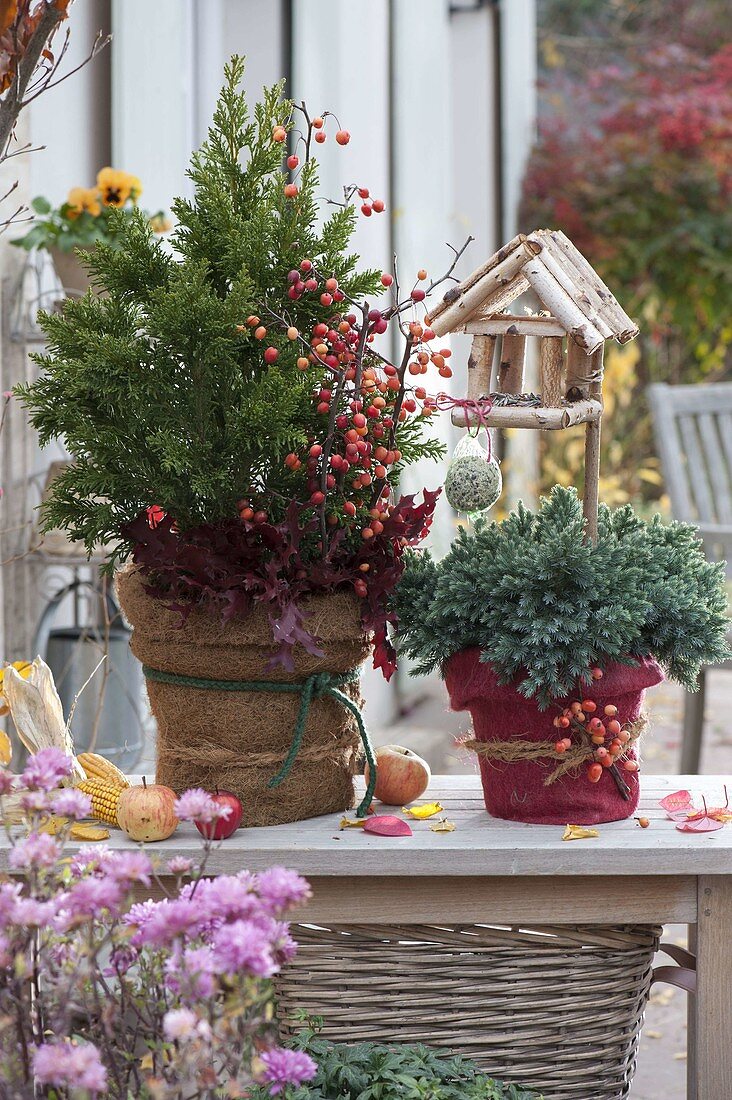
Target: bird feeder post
{"x": 551, "y": 367}
{"x": 480, "y": 365}
{"x": 511, "y": 364}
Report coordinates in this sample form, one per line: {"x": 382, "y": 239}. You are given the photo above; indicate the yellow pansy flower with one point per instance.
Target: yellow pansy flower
{"x": 117, "y": 187}
{"x": 83, "y": 199}
{"x": 24, "y": 669}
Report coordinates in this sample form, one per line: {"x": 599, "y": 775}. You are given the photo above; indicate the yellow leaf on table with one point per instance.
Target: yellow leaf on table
{"x": 442, "y": 826}
{"x": 350, "y": 823}
{"x": 82, "y": 831}
{"x": 429, "y": 809}
{"x": 579, "y": 832}
{"x": 6, "y": 749}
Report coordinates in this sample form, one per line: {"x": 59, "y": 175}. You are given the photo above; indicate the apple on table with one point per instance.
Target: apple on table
{"x": 147, "y": 812}
{"x": 222, "y": 827}
{"x": 401, "y": 775}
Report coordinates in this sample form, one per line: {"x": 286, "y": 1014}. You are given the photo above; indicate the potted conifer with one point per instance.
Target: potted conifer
{"x": 550, "y": 641}
{"x": 237, "y": 436}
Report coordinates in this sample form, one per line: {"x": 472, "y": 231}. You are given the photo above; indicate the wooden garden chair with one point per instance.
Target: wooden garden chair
{"x": 693, "y": 429}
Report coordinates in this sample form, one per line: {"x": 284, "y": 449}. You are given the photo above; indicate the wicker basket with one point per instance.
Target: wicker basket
{"x": 558, "y": 1009}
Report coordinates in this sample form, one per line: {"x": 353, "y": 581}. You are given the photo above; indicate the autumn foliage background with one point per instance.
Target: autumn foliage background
{"x": 634, "y": 162}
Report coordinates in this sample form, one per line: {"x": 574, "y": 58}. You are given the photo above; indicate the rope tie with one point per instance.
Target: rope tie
{"x": 320, "y": 685}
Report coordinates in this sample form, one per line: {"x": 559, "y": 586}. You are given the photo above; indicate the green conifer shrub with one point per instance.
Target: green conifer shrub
{"x": 232, "y": 427}
{"x": 545, "y": 605}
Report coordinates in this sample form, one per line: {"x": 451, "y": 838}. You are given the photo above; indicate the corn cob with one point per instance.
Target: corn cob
{"x": 104, "y": 798}
{"x": 97, "y": 767}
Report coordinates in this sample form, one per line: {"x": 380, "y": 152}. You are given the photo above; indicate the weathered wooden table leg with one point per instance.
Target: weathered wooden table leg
{"x": 714, "y": 989}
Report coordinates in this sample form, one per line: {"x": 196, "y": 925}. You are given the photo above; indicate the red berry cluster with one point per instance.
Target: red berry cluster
{"x": 607, "y": 736}
{"x": 315, "y": 132}
{"x": 370, "y": 206}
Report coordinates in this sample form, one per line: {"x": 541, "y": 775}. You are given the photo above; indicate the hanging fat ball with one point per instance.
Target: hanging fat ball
{"x": 473, "y": 482}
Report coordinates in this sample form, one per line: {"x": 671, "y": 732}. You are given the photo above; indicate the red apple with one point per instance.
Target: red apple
{"x": 146, "y": 812}
{"x": 401, "y": 775}
{"x": 223, "y": 827}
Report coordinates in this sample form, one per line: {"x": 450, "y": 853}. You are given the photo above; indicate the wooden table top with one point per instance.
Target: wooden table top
{"x": 480, "y": 845}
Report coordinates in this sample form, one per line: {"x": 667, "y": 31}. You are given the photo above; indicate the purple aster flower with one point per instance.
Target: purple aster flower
{"x": 227, "y": 898}
{"x": 65, "y": 1064}
{"x": 280, "y": 889}
{"x": 284, "y": 1067}
{"x": 170, "y": 919}
{"x": 36, "y": 914}
{"x": 34, "y": 802}
{"x": 121, "y": 960}
{"x": 45, "y": 770}
{"x": 7, "y": 782}
{"x": 71, "y": 803}
{"x": 198, "y": 805}
{"x": 35, "y": 850}
{"x": 9, "y": 894}
{"x": 137, "y": 917}
{"x": 128, "y": 867}
{"x": 244, "y": 947}
{"x": 179, "y": 865}
{"x": 89, "y": 858}
{"x": 190, "y": 974}
{"x": 88, "y": 897}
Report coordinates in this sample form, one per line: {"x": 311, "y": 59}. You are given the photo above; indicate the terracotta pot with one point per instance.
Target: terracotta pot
{"x": 237, "y": 740}
{"x": 70, "y": 270}
{"x": 517, "y": 791}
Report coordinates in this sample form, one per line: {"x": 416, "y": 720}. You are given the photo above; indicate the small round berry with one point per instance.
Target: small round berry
{"x": 418, "y": 295}
{"x": 279, "y": 134}
{"x": 343, "y": 137}
{"x": 246, "y": 514}
{"x": 596, "y": 673}
{"x": 317, "y": 497}
{"x": 611, "y": 710}
{"x": 315, "y": 451}
{"x": 589, "y": 706}
{"x": 290, "y": 190}
{"x": 326, "y": 299}
{"x": 292, "y": 333}
{"x": 331, "y": 285}
{"x": 317, "y": 123}
{"x": 630, "y": 765}
{"x": 349, "y": 508}
{"x": 387, "y": 279}
{"x": 363, "y": 192}
{"x": 594, "y": 773}
{"x": 378, "y": 206}
{"x": 421, "y": 274}
{"x": 260, "y": 332}
{"x": 306, "y": 265}
{"x": 271, "y": 355}
{"x": 643, "y": 822}
{"x": 320, "y": 136}
{"x": 252, "y": 321}
{"x": 614, "y": 727}
{"x": 303, "y": 363}
{"x": 559, "y": 746}
{"x": 259, "y": 517}
{"x": 366, "y": 210}
{"x": 292, "y": 162}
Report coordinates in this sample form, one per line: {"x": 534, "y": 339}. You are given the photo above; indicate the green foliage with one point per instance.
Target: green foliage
{"x": 159, "y": 389}
{"x": 370, "y": 1071}
{"x": 544, "y": 604}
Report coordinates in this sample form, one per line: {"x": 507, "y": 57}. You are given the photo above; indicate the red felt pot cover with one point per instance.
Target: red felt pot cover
{"x": 516, "y": 791}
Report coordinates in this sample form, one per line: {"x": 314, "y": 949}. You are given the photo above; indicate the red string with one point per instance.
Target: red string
{"x": 480, "y": 407}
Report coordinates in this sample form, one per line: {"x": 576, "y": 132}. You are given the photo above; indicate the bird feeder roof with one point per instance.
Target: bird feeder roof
{"x": 574, "y": 298}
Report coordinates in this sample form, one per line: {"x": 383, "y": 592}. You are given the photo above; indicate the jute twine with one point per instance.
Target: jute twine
{"x": 315, "y": 687}
{"x": 238, "y": 738}
{"x": 516, "y": 749}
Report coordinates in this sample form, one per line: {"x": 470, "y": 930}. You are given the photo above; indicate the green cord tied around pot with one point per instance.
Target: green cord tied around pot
{"x": 318, "y": 686}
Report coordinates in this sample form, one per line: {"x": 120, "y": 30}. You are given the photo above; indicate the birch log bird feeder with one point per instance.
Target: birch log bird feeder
{"x": 577, "y": 315}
